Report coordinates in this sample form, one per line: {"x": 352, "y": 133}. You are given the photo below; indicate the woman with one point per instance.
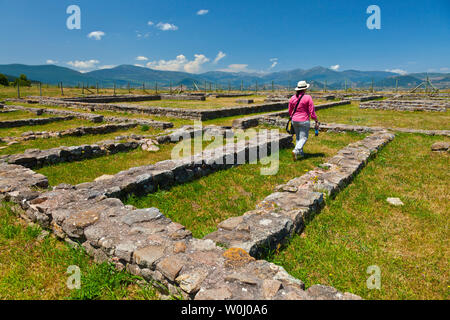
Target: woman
{"x": 300, "y": 116}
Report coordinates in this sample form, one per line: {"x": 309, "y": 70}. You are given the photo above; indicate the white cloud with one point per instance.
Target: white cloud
{"x": 399, "y": 71}
{"x": 219, "y": 57}
{"x": 236, "y": 68}
{"x": 108, "y": 66}
{"x": 139, "y": 65}
{"x": 141, "y": 58}
{"x": 274, "y": 63}
{"x": 50, "y": 61}
{"x": 96, "y": 35}
{"x": 335, "y": 67}
{"x": 195, "y": 66}
{"x": 202, "y": 12}
{"x": 88, "y": 64}
{"x": 166, "y": 26}
{"x": 150, "y": 23}
{"x": 180, "y": 63}
{"x": 445, "y": 69}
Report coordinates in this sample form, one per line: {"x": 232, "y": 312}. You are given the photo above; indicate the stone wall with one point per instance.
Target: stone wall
{"x": 285, "y": 212}
{"x": 407, "y": 105}
{"x": 146, "y": 243}
{"x": 36, "y": 158}
{"x": 99, "y": 118}
{"x": 182, "y": 97}
{"x": 78, "y": 132}
{"x": 196, "y": 114}
{"x": 32, "y": 122}
{"x": 110, "y": 99}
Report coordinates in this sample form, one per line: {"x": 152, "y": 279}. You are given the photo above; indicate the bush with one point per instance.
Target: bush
{"x": 145, "y": 127}
{"x": 23, "y": 81}
{"x": 4, "y": 80}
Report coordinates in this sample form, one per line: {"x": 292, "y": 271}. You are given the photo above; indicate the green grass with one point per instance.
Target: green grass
{"x": 352, "y": 114}
{"x": 87, "y": 170}
{"x": 201, "y": 204}
{"x": 359, "y": 228}
{"x": 53, "y": 126}
{"x": 35, "y": 268}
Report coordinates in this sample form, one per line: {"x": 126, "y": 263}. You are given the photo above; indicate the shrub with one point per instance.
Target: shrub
{"x": 4, "y": 80}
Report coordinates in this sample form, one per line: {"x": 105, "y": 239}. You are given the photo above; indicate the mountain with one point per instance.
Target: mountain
{"x": 136, "y": 76}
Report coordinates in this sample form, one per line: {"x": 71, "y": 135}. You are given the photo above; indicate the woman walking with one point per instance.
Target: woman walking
{"x": 301, "y": 109}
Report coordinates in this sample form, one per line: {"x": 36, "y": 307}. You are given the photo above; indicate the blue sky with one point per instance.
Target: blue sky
{"x": 246, "y": 35}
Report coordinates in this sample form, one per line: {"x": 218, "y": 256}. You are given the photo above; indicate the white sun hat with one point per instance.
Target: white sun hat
{"x": 302, "y": 85}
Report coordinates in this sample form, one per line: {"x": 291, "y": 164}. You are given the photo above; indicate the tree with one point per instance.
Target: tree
{"x": 4, "y": 80}
{"x": 23, "y": 81}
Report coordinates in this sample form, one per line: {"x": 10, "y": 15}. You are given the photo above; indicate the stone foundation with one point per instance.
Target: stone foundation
{"x": 285, "y": 212}
{"x": 32, "y": 122}
{"x": 146, "y": 243}
{"x": 407, "y": 105}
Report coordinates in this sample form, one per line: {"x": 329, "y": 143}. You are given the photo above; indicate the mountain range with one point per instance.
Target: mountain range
{"x": 135, "y": 76}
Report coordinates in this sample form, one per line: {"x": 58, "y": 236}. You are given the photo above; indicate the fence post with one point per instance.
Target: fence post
{"x": 170, "y": 88}
{"x": 256, "y": 87}
{"x": 18, "y": 88}
{"x": 114, "y": 88}
{"x": 82, "y": 88}
{"x": 62, "y": 90}
{"x": 97, "y": 87}
{"x": 40, "y": 89}
{"x": 325, "y": 88}
{"x": 129, "y": 90}
{"x": 272, "y": 86}
{"x": 156, "y": 87}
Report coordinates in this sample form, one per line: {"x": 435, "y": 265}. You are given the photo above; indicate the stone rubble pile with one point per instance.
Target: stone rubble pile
{"x": 284, "y": 212}
{"x": 441, "y": 146}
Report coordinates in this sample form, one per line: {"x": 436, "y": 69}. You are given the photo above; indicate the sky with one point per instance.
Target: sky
{"x": 253, "y": 36}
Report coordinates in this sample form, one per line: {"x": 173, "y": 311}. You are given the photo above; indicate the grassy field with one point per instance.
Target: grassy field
{"x": 352, "y": 114}
{"x": 209, "y": 103}
{"x": 359, "y": 228}
{"x": 34, "y": 266}
{"x": 201, "y": 204}
{"x": 68, "y": 141}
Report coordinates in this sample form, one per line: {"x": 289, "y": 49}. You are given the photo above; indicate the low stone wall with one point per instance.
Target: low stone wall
{"x": 36, "y": 158}
{"x": 84, "y": 116}
{"x": 146, "y": 243}
{"x": 182, "y": 97}
{"x": 285, "y": 212}
{"x": 231, "y": 95}
{"x": 78, "y": 132}
{"x": 196, "y": 114}
{"x": 32, "y": 122}
{"x": 99, "y": 118}
{"x": 110, "y": 99}
{"x": 407, "y": 105}
{"x": 367, "y": 98}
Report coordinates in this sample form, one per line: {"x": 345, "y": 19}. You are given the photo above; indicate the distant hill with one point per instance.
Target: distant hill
{"x": 124, "y": 74}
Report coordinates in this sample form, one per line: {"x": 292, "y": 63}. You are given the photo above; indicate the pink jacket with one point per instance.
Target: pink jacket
{"x": 305, "y": 108}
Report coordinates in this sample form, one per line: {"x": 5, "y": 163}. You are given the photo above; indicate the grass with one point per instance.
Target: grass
{"x": 35, "y": 267}
{"x": 87, "y": 170}
{"x": 352, "y": 114}
{"x": 67, "y": 141}
{"x": 359, "y": 228}
{"x": 53, "y": 126}
{"x": 201, "y": 204}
